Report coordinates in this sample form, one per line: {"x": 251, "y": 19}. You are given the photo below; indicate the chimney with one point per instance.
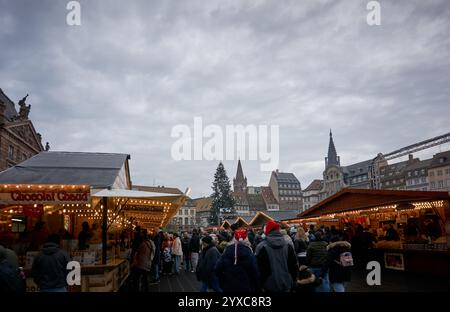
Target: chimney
{"x": 410, "y": 158}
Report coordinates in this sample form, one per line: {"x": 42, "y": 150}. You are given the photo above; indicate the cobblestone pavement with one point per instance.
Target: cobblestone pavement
{"x": 391, "y": 281}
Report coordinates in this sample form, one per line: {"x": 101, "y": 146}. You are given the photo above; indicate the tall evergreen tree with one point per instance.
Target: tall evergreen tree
{"x": 221, "y": 195}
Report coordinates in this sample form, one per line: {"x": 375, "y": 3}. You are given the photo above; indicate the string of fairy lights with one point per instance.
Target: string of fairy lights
{"x": 415, "y": 206}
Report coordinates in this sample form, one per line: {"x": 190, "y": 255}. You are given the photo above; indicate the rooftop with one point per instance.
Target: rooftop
{"x": 99, "y": 170}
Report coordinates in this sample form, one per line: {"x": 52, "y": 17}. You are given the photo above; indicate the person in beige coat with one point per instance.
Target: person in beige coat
{"x": 177, "y": 253}
{"x": 142, "y": 262}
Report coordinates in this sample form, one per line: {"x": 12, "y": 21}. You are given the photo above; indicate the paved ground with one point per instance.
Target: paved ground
{"x": 392, "y": 281}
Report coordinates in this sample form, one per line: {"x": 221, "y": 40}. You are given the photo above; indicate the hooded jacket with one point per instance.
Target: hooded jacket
{"x": 316, "y": 254}
{"x": 338, "y": 273}
{"x": 207, "y": 263}
{"x": 10, "y": 256}
{"x": 277, "y": 263}
{"x": 49, "y": 268}
{"x": 242, "y": 276}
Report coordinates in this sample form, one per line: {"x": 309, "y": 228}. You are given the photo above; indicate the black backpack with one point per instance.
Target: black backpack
{"x": 10, "y": 279}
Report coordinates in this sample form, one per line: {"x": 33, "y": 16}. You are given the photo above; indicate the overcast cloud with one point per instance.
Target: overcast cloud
{"x": 134, "y": 69}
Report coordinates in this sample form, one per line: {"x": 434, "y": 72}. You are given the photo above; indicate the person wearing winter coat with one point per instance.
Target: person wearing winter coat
{"x": 156, "y": 263}
{"x": 222, "y": 243}
{"x": 186, "y": 253}
{"x": 11, "y": 278}
{"x": 143, "y": 262}
{"x": 340, "y": 262}
{"x": 306, "y": 280}
{"x": 194, "y": 249}
{"x": 49, "y": 269}
{"x": 300, "y": 245}
{"x": 276, "y": 261}
{"x": 287, "y": 238}
{"x": 317, "y": 259}
{"x": 237, "y": 269}
{"x": 167, "y": 255}
{"x": 177, "y": 252}
{"x": 206, "y": 265}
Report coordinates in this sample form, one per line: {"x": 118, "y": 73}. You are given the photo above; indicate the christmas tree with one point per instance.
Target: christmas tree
{"x": 222, "y": 200}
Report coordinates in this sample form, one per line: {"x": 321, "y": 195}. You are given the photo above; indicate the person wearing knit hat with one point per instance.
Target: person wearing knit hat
{"x": 205, "y": 269}
{"x": 276, "y": 260}
{"x": 237, "y": 269}
{"x": 271, "y": 226}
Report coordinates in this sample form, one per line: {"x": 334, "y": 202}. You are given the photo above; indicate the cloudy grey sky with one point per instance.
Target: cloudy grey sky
{"x": 135, "y": 69}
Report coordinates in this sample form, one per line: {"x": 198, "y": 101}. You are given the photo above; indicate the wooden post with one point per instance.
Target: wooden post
{"x": 104, "y": 228}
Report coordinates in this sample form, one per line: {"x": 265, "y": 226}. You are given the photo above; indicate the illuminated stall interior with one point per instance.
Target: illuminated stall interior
{"x": 421, "y": 220}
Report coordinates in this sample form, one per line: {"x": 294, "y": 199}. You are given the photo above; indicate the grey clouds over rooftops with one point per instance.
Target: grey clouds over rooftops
{"x": 134, "y": 69}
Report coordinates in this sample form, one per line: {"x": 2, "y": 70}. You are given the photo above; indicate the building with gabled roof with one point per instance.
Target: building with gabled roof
{"x": 287, "y": 190}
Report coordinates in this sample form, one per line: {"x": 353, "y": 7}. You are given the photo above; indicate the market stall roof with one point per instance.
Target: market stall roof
{"x": 149, "y": 209}
{"x": 262, "y": 217}
{"x": 226, "y": 224}
{"x": 354, "y": 199}
{"x": 132, "y": 194}
{"x": 99, "y": 170}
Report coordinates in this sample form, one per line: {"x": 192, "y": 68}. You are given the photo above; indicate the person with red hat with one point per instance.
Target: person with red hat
{"x": 276, "y": 260}
{"x": 237, "y": 269}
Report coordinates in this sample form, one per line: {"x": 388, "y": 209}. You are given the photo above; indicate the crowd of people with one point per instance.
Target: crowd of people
{"x": 276, "y": 259}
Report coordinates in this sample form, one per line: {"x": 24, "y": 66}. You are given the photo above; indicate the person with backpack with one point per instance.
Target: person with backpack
{"x": 317, "y": 259}
{"x": 276, "y": 261}
{"x": 11, "y": 280}
{"x": 49, "y": 269}
{"x": 340, "y": 261}
{"x": 206, "y": 265}
{"x": 237, "y": 269}
{"x": 143, "y": 262}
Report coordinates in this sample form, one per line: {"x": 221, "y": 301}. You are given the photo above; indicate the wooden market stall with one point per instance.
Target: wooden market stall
{"x": 62, "y": 192}
{"x": 412, "y": 228}
{"x": 262, "y": 217}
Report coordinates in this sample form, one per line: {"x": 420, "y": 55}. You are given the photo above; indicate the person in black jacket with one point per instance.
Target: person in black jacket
{"x": 340, "y": 262}
{"x": 49, "y": 269}
{"x": 237, "y": 269}
{"x": 277, "y": 261}
{"x": 156, "y": 263}
{"x": 186, "y": 253}
{"x": 194, "y": 249}
{"x": 206, "y": 265}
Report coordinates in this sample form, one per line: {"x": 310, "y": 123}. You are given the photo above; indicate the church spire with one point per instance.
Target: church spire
{"x": 333, "y": 158}
{"x": 240, "y": 182}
